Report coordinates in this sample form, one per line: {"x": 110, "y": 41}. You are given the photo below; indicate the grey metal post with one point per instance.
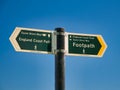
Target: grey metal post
{"x": 59, "y": 59}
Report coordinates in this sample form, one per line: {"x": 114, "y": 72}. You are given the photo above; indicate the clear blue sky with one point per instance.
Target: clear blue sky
{"x": 29, "y": 71}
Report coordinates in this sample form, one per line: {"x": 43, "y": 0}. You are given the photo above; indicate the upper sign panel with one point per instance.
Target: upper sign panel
{"x": 32, "y": 40}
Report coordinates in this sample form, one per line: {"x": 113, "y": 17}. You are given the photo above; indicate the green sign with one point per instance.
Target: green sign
{"x": 43, "y": 41}
{"x": 32, "y": 40}
{"x": 86, "y": 45}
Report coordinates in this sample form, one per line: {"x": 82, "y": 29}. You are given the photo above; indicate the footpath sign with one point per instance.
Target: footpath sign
{"x": 86, "y": 45}
{"x": 60, "y": 44}
{"x": 44, "y": 41}
{"x": 31, "y": 40}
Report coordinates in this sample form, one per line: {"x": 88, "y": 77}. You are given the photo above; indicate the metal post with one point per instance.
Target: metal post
{"x": 59, "y": 59}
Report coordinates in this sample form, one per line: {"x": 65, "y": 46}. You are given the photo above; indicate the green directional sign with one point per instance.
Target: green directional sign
{"x": 44, "y": 41}
{"x": 32, "y": 40}
{"x": 86, "y": 45}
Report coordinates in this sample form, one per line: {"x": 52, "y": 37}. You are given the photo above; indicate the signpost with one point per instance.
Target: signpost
{"x": 86, "y": 45}
{"x": 32, "y": 40}
{"x": 60, "y": 44}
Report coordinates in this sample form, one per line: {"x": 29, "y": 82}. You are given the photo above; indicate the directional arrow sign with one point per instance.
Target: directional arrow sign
{"x": 31, "y": 40}
{"x": 86, "y": 45}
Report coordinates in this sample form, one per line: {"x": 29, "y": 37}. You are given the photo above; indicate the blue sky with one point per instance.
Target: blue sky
{"x": 29, "y": 71}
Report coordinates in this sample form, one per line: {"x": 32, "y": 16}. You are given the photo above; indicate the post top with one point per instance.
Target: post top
{"x": 59, "y": 29}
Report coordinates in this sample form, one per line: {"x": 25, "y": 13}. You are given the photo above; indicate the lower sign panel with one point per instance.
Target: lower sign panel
{"x": 86, "y": 45}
